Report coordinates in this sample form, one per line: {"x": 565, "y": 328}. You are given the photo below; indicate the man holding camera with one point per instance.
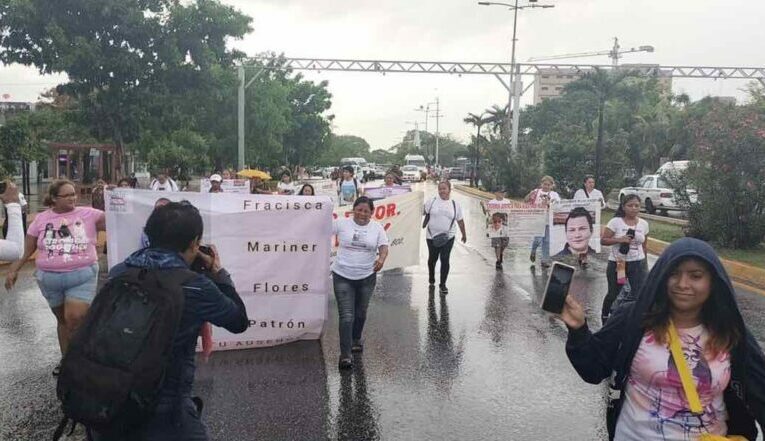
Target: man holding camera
{"x": 174, "y": 232}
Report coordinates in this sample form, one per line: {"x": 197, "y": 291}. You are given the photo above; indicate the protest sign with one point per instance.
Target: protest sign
{"x": 401, "y": 217}
{"x": 524, "y": 223}
{"x": 275, "y": 247}
{"x": 239, "y": 186}
{"x": 574, "y": 227}
{"x": 376, "y": 193}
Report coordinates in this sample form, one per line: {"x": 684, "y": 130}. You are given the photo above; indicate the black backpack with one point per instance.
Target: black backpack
{"x": 116, "y": 361}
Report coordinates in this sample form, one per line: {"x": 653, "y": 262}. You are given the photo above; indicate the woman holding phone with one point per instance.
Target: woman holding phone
{"x": 686, "y": 366}
{"x": 627, "y": 235}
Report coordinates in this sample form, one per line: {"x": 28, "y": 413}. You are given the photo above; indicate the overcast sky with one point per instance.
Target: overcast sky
{"x": 377, "y": 107}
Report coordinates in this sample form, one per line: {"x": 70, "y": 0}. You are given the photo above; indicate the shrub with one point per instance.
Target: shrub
{"x": 728, "y": 173}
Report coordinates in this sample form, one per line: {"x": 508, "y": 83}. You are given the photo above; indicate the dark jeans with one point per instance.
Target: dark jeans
{"x": 171, "y": 422}
{"x": 352, "y": 302}
{"x": 635, "y": 275}
{"x": 434, "y": 254}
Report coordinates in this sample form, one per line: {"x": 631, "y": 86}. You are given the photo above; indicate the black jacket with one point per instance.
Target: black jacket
{"x": 611, "y": 349}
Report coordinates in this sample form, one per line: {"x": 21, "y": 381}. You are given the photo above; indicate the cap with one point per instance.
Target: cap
{"x": 216, "y": 177}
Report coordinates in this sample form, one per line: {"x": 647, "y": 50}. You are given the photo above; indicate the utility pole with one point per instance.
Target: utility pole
{"x": 240, "y": 118}
{"x": 438, "y": 115}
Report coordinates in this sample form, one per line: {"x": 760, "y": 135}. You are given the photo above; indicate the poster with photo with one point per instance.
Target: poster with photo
{"x": 574, "y": 227}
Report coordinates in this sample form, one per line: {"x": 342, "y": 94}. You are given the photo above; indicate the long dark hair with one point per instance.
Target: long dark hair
{"x": 630, "y": 197}
{"x": 717, "y": 314}
{"x": 313, "y": 192}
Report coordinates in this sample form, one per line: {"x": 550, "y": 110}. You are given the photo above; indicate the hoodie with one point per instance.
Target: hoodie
{"x": 595, "y": 356}
{"x": 208, "y": 298}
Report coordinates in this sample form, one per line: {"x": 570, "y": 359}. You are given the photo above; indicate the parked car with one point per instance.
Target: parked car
{"x": 411, "y": 173}
{"x": 656, "y": 194}
{"x": 457, "y": 173}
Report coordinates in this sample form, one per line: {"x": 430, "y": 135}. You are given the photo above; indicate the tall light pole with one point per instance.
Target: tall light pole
{"x": 514, "y": 98}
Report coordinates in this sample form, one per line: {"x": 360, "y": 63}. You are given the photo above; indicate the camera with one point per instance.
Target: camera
{"x": 200, "y": 265}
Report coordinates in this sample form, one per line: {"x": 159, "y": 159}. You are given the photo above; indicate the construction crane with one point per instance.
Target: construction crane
{"x": 614, "y": 53}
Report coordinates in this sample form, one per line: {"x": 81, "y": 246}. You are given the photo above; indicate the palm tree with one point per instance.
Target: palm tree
{"x": 498, "y": 119}
{"x": 604, "y": 86}
{"x": 478, "y": 122}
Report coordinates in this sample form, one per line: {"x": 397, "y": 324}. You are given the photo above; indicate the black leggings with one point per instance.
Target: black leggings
{"x": 434, "y": 254}
{"x": 635, "y": 275}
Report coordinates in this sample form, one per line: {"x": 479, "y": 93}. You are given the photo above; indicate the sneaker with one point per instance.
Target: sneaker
{"x": 57, "y": 370}
{"x": 498, "y": 265}
{"x": 443, "y": 290}
{"x": 533, "y": 256}
{"x": 345, "y": 363}
{"x": 357, "y": 347}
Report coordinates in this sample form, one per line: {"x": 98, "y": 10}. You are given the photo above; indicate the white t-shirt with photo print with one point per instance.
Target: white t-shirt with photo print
{"x": 619, "y": 227}
{"x": 357, "y": 252}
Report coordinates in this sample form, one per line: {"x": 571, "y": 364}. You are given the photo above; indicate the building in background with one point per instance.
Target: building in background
{"x": 549, "y": 82}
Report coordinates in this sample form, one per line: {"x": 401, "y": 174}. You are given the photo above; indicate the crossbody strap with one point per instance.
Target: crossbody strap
{"x": 691, "y": 394}
{"x": 454, "y": 205}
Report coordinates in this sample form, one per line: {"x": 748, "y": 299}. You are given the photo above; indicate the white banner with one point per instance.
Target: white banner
{"x": 574, "y": 227}
{"x": 524, "y": 223}
{"x": 275, "y": 247}
{"x": 401, "y": 216}
{"x": 238, "y": 186}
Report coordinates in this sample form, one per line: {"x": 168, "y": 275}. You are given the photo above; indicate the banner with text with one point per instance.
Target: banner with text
{"x": 275, "y": 247}
{"x": 401, "y": 216}
{"x": 239, "y": 186}
{"x": 524, "y": 222}
{"x": 574, "y": 227}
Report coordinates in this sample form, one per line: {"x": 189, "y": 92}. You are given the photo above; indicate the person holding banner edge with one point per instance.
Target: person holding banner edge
{"x": 543, "y": 197}
{"x": 588, "y": 191}
{"x": 361, "y": 254}
{"x": 440, "y": 216}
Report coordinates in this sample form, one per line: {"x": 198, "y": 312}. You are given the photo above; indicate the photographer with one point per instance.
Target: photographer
{"x": 175, "y": 231}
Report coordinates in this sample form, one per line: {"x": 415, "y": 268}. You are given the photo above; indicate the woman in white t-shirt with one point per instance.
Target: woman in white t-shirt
{"x": 543, "y": 197}
{"x": 442, "y": 215}
{"x": 627, "y": 235}
{"x": 285, "y": 186}
{"x": 362, "y": 250}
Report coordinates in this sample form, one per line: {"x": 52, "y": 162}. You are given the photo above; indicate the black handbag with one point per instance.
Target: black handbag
{"x": 441, "y": 239}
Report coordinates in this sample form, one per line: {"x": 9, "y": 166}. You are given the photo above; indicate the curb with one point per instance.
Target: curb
{"x": 744, "y": 275}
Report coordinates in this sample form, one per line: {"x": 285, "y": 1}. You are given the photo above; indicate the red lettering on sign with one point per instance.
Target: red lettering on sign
{"x": 391, "y": 210}
{"x": 380, "y": 212}
{"x": 386, "y": 226}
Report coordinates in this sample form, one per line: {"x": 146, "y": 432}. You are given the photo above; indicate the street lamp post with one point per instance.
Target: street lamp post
{"x": 513, "y": 121}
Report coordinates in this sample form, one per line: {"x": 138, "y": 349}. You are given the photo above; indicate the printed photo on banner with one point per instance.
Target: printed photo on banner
{"x": 401, "y": 217}
{"x": 278, "y": 255}
{"x": 524, "y": 223}
{"x": 574, "y": 227}
{"x": 239, "y": 186}
{"x": 377, "y": 193}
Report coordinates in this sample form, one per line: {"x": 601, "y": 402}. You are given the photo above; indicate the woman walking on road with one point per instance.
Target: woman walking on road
{"x": 441, "y": 214}
{"x": 363, "y": 248}
{"x": 543, "y": 197}
{"x": 65, "y": 238}
{"x": 627, "y": 235}
{"x": 588, "y": 191}
{"x": 687, "y": 367}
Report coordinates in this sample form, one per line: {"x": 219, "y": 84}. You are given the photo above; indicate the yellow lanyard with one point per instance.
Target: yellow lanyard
{"x": 682, "y": 368}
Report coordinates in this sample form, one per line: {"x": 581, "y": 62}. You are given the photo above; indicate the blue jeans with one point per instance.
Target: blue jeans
{"x": 80, "y": 284}
{"x": 352, "y": 302}
{"x": 543, "y": 241}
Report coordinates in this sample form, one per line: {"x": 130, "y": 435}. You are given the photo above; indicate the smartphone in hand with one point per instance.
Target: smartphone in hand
{"x": 557, "y": 287}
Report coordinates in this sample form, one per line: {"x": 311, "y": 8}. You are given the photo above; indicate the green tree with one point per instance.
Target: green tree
{"x": 728, "y": 172}
{"x": 344, "y": 146}
{"x": 604, "y": 86}
{"x": 122, "y": 57}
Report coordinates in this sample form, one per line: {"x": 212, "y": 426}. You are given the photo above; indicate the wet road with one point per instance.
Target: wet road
{"x": 483, "y": 363}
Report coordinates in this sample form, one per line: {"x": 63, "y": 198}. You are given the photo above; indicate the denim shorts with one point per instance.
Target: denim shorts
{"x": 77, "y": 285}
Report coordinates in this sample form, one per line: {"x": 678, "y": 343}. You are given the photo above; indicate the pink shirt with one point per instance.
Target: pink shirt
{"x": 655, "y": 407}
{"x": 66, "y": 241}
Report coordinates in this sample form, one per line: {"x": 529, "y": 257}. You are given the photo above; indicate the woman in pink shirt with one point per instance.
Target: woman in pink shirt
{"x": 65, "y": 238}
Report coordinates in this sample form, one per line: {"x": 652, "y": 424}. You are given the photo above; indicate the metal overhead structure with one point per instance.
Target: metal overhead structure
{"x": 614, "y": 53}
{"x": 497, "y": 70}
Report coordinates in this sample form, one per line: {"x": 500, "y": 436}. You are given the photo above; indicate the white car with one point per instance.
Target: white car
{"x": 411, "y": 173}
{"x": 656, "y": 194}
